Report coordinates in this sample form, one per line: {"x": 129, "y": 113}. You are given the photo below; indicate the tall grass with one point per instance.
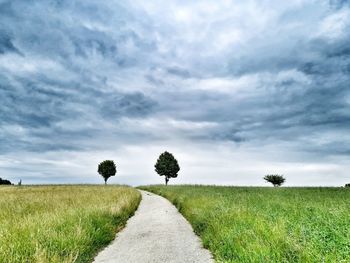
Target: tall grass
{"x": 246, "y": 224}
{"x": 61, "y": 223}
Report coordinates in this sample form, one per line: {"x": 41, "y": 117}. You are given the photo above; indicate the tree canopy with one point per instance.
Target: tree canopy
{"x": 167, "y": 166}
{"x": 4, "y": 182}
{"x": 107, "y": 169}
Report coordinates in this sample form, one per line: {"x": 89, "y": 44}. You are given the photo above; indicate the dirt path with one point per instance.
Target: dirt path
{"x": 156, "y": 233}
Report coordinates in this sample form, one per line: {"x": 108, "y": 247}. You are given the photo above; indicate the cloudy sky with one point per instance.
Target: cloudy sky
{"x": 234, "y": 89}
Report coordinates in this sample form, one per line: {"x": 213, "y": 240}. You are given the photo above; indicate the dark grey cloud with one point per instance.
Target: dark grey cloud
{"x": 179, "y": 72}
{"x": 88, "y": 77}
{"x": 339, "y": 3}
{"x": 132, "y": 104}
{"x": 6, "y": 44}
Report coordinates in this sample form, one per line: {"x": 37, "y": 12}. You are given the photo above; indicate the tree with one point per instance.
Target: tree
{"x": 167, "y": 166}
{"x": 5, "y": 182}
{"x": 107, "y": 169}
{"x": 347, "y": 185}
{"x": 275, "y": 179}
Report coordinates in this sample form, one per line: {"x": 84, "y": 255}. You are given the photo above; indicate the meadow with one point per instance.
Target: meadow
{"x": 260, "y": 224}
{"x": 61, "y": 223}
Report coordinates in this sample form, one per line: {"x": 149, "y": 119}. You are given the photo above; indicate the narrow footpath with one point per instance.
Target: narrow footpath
{"x": 157, "y": 233}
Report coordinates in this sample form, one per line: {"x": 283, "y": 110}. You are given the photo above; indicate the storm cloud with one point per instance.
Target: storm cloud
{"x": 234, "y": 89}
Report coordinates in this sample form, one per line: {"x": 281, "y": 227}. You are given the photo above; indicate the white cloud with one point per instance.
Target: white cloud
{"x": 335, "y": 25}
{"x": 18, "y": 64}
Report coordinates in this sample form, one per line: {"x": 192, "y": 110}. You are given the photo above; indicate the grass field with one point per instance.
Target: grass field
{"x": 246, "y": 224}
{"x": 61, "y": 223}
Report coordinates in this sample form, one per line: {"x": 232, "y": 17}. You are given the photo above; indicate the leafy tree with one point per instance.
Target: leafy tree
{"x": 275, "y": 179}
{"x": 107, "y": 169}
{"x": 5, "y": 182}
{"x": 167, "y": 166}
{"x": 347, "y": 185}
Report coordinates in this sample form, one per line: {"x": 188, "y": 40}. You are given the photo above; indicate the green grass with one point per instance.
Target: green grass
{"x": 61, "y": 223}
{"x": 251, "y": 224}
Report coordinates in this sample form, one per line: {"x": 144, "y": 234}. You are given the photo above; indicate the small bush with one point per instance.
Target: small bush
{"x": 275, "y": 179}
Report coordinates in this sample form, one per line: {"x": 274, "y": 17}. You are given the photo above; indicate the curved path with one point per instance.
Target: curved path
{"x": 156, "y": 233}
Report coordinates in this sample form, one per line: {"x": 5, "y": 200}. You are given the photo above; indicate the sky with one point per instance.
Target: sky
{"x": 234, "y": 89}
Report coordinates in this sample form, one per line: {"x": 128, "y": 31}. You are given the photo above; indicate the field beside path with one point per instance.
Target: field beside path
{"x": 261, "y": 224}
{"x": 61, "y": 223}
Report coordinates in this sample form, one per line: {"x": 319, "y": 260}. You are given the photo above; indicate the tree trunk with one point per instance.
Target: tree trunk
{"x": 166, "y": 180}
{"x": 105, "y": 181}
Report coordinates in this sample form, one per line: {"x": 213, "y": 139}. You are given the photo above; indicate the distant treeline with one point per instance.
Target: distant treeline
{"x": 3, "y": 181}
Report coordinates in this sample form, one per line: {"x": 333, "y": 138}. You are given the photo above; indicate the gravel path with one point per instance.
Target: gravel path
{"x": 156, "y": 233}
